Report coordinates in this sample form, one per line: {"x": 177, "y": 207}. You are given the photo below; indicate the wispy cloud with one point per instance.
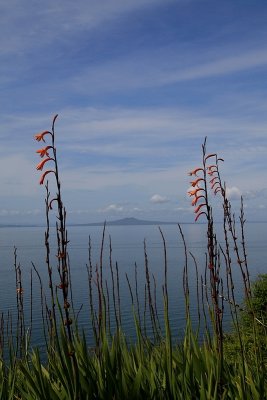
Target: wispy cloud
{"x": 151, "y": 69}
{"x": 12, "y": 213}
{"x": 158, "y": 199}
{"x": 58, "y": 21}
{"x": 112, "y": 208}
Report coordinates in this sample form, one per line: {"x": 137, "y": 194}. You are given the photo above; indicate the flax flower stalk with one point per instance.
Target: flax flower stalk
{"x": 62, "y": 256}
{"x": 200, "y": 192}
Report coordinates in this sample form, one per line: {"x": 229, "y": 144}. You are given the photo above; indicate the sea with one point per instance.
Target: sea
{"x": 131, "y": 251}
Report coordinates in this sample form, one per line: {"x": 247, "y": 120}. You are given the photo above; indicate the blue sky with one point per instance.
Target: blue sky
{"x": 137, "y": 86}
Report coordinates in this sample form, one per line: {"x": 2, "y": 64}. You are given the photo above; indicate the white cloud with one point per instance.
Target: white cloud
{"x": 137, "y": 209}
{"x": 112, "y": 207}
{"x": 233, "y": 193}
{"x": 158, "y": 199}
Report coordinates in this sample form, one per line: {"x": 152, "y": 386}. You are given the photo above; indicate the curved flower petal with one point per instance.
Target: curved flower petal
{"x": 40, "y": 136}
{"x": 214, "y": 184}
{"x": 195, "y": 200}
{"x": 51, "y": 202}
{"x": 218, "y": 189}
{"x": 42, "y": 163}
{"x": 194, "y": 192}
{"x": 199, "y": 207}
{"x": 213, "y": 179}
{"x": 194, "y": 172}
{"x": 194, "y": 183}
{"x": 44, "y": 175}
{"x": 210, "y": 155}
{"x": 202, "y": 212}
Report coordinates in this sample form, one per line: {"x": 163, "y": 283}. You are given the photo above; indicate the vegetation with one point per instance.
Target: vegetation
{"x": 218, "y": 366}
{"x": 259, "y": 306}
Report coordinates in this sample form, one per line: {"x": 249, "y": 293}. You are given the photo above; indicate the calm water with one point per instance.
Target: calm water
{"x": 127, "y": 250}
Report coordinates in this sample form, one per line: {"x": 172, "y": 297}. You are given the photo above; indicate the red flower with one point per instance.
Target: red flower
{"x": 194, "y": 191}
{"x": 213, "y": 179}
{"x": 42, "y": 163}
{"x": 194, "y": 172}
{"x": 40, "y": 136}
{"x": 44, "y": 152}
{"x": 199, "y": 207}
{"x": 194, "y": 183}
{"x": 195, "y": 200}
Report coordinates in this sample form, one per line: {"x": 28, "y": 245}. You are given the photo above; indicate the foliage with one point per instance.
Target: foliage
{"x": 258, "y": 302}
{"x": 253, "y": 325}
{"x": 123, "y": 371}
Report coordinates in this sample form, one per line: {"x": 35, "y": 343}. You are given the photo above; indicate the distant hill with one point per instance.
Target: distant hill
{"x": 129, "y": 221}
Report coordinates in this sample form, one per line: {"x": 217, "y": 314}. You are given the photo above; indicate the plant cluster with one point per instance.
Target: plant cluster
{"x": 153, "y": 366}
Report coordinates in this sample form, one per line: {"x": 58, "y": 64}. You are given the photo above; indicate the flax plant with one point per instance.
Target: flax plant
{"x": 62, "y": 237}
{"x": 201, "y": 202}
{"x": 49, "y": 155}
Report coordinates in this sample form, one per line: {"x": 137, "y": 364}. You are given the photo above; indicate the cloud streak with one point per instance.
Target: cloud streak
{"x": 146, "y": 70}
{"x": 158, "y": 199}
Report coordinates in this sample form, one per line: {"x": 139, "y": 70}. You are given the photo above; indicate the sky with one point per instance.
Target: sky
{"x": 137, "y": 85}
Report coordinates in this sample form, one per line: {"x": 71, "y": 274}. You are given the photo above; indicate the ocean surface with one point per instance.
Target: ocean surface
{"x": 127, "y": 244}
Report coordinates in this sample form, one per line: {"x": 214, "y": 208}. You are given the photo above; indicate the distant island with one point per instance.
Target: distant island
{"x": 127, "y": 221}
